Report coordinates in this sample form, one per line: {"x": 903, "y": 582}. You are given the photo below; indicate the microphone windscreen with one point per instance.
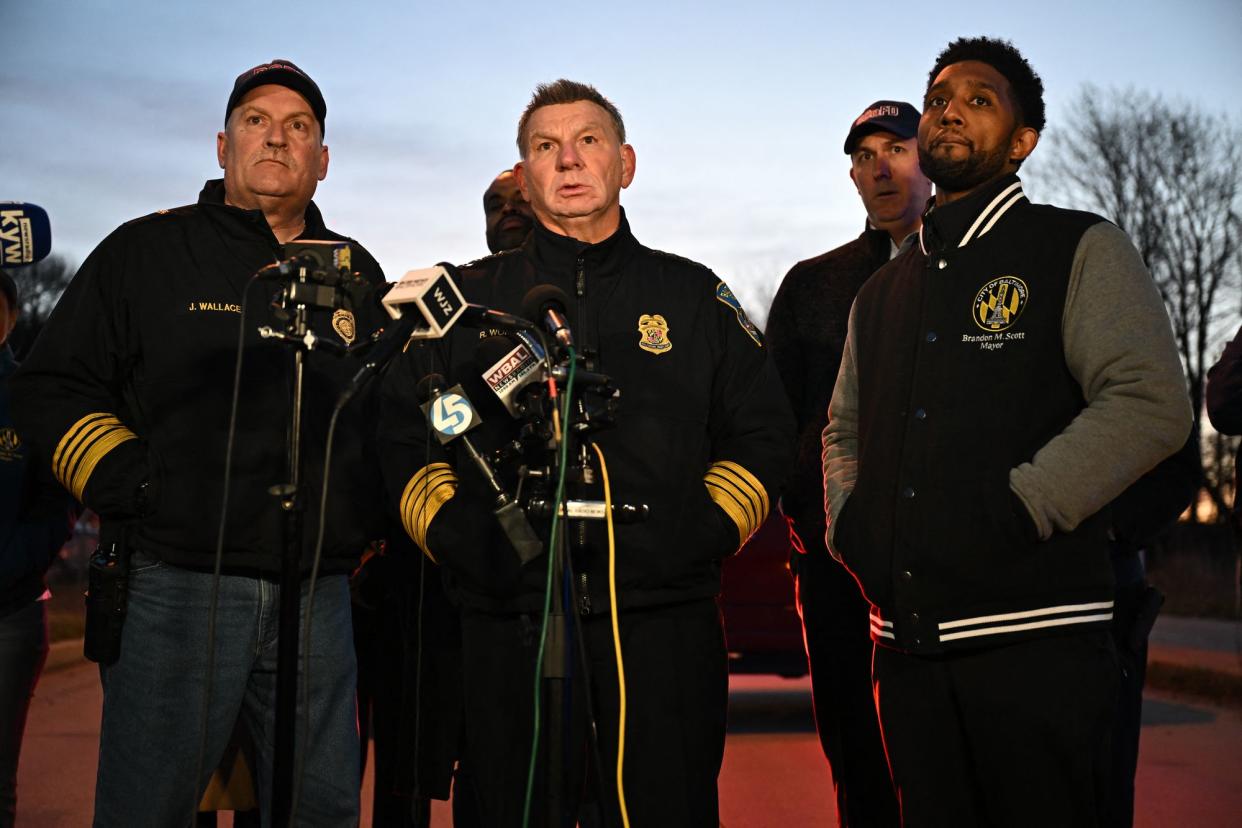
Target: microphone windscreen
{"x": 429, "y": 386}
{"x": 542, "y": 297}
{"x": 25, "y": 233}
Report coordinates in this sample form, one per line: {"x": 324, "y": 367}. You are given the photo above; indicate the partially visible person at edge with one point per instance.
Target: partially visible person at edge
{"x": 702, "y": 438}
{"x": 1224, "y": 407}
{"x": 507, "y": 212}
{"x": 806, "y": 335}
{"x": 1003, "y": 381}
{"x": 128, "y": 391}
{"x": 34, "y": 523}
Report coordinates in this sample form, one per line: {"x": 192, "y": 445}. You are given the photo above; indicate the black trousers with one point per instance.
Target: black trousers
{"x": 676, "y": 678}
{"x": 1132, "y": 619}
{"x": 838, "y": 647}
{"x": 1017, "y": 735}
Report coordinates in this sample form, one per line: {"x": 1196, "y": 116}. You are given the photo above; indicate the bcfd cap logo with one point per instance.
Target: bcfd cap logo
{"x": 999, "y": 303}
{"x": 653, "y": 334}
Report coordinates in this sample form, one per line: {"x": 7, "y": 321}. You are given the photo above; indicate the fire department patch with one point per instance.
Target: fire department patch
{"x": 343, "y": 324}
{"x": 725, "y": 295}
{"x": 999, "y": 303}
{"x": 653, "y": 334}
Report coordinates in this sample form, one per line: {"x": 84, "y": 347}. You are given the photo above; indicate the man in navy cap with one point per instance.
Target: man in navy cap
{"x": 806, "y": 332}
{"x": 129, "y": 391}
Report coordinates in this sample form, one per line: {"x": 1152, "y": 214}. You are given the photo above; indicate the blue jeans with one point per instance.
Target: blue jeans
{"x": 23, "y": 650}
{"x": 153, "y": 698}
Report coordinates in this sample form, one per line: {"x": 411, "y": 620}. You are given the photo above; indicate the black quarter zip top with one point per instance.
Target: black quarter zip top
{"x": 702, "y": 436}
{"x": 132, "y": 384}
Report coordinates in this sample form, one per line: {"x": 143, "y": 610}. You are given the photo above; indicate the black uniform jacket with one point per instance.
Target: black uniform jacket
{"x": 704, "y": 434}
{"x": 131, "y": 381}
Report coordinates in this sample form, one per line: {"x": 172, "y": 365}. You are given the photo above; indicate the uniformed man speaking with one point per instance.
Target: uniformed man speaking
{"x": 702, "y": 436}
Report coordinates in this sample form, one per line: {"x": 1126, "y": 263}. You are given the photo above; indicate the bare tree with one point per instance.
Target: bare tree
{"x": 1170, "y": 176}
{"x": 39, "y": 287}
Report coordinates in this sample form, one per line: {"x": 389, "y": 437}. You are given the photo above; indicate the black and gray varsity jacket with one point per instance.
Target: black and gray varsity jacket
{"x": 1002, "y": 382}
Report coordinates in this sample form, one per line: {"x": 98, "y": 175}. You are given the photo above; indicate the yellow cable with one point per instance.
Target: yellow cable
{"x": 616, "y": 635}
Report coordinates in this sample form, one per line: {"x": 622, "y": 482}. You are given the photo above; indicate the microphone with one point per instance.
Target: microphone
{"x": 512, "y": 367}
{"x": 385, "y": 344}
{"x": 325, "y": 262}
{"x": 424, "y": 304}
{"x": 25, "y": 233}
{"x": 451, "y": 415}
{"x": 547, "y": 304}
{"x": 480, "y": 316}
{"x": 431, "y": 296}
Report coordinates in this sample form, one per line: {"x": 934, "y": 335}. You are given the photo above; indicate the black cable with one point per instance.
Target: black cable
{"x": 592, "y": 722}
{"x": 418, "y": 648}
{"x": 219, "y": 554}
{"x": 340, "y": 405}
{"x": 310, "y": 609}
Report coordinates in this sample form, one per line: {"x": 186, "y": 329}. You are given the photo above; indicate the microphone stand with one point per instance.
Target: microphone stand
{"x": 303, "y": 294}
{"x": 566, "y": 599}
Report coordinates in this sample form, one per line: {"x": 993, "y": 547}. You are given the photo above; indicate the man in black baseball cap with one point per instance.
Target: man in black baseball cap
{"x": 897, "y": 117}
{"x": 806, "y": 334}
{"x": 126, "y": 393}
{"x": 283, "y": 73}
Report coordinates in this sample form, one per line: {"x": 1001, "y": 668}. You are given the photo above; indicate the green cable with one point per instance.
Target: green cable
{"x": 547, "y": 594}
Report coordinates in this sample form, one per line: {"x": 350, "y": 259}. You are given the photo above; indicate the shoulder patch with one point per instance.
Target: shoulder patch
{"x": 723, "y": 294}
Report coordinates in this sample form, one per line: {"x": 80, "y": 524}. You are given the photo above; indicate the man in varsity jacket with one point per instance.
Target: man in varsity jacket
{"x": 1003, "y": 381}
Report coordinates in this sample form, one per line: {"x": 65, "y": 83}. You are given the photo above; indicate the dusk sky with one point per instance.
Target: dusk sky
{"x": 737, "y": 111}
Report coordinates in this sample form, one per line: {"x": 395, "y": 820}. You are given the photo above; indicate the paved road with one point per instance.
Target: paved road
{"x": 773, "y": 775}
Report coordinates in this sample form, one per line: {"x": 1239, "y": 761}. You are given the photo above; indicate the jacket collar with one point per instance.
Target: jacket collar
{"x": 879, "y": 243}
{"x": 963, "y": 221}
{"x": 213, "y": 194}
{"x": 556, "y": 254}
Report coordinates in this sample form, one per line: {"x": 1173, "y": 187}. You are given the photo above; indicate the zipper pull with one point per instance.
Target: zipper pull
{"x": 584, "y": 594}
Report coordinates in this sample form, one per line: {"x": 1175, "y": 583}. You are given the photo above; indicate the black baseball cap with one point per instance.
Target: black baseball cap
{"x": 283, "y": 73}
{"x": 897, "y": 117}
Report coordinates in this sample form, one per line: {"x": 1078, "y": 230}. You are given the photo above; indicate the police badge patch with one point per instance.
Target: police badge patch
{"x": 725, "y": 295}
{"x": 653, "y": 334}
{"x": 343, "y": 324}
{"x": 999, "y": 303}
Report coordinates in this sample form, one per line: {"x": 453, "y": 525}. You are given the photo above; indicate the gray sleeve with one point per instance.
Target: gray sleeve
{"x": 1119, "y": 347}
{"x": 841, "y": 439}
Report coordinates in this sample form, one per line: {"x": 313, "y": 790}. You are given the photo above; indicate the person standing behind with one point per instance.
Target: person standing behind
{"x": 34, "y": 523}
{"x": 1003, "y": 381}
{"x": 806, "y": 335}
{"x": 507, "y": 212}
{"x": 129, "y": 392}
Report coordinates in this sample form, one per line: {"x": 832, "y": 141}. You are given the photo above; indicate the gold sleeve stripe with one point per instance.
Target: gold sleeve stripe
{"x": 730, "y": 498}
{"x": 82, "y": 447}
{"x": 428, "y": 490}
{"x": 748, "y": 482}
{"x": 736, "y": 512}
{"x": 740, "y": 494}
